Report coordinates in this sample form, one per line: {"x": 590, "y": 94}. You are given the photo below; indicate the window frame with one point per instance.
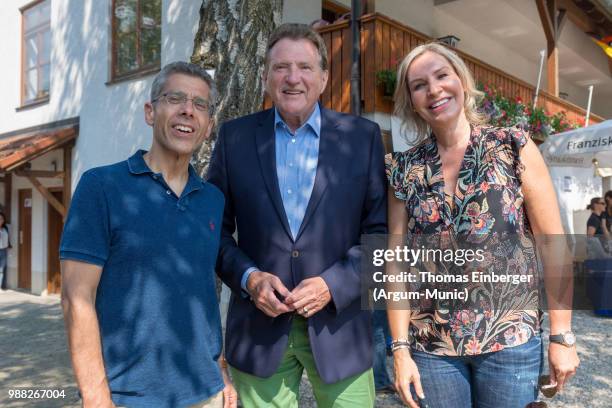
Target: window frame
{"x": 141, "y": 71}
{"x": 35, "y": 31}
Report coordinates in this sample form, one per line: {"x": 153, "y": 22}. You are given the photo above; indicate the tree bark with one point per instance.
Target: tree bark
{"x": 231, "y": 40}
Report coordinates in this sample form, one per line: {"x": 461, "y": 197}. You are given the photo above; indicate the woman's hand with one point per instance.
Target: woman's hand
{"x": 563, "y": 362}
{"x": 406, "y": 373}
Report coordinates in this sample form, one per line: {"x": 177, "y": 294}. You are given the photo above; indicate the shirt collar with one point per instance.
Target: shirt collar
{"x": 137, "y": 165}
{"x": 314, "y": 121}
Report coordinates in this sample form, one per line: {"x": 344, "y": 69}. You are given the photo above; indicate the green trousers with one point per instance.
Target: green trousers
{"x": 282, "y": 388}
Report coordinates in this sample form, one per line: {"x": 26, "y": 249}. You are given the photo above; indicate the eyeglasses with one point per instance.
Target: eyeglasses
{"x": 176, "y": 98}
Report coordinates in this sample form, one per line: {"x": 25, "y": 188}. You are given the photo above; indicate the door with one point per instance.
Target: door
{"x": 54, "y": 231}
{"x": 24, "y": 240}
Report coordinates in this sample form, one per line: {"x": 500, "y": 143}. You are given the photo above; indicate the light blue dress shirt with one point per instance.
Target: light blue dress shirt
{"x": 297, "y": 156}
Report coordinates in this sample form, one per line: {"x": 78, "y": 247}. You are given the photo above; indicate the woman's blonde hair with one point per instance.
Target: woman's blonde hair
{"x": 403, "y": 103}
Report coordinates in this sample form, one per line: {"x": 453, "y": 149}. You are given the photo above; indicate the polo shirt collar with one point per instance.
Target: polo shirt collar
{"x": 314, "y": 120}
{"x": 194, "y": 182}
{"x": 137, "y": 165}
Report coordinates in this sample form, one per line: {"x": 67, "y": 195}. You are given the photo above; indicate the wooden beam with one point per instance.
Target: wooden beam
{"x": 552, "y": 69}
{"x": 545, "y": 18}
{"x": 40, "y": 173}
{"x": 552, "y": 22}
{"x": 47, "y": 194}
{"x": 577, "y": 16}
{"x": 551, "y": 7}
{"x": 67, "y": 176}
{"x": 368, "y": 6}
{"x": 8, "y": 194}
{"x": 561, "y": 19}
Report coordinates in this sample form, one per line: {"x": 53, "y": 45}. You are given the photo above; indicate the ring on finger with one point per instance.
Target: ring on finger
{"x": 305, "y": 309}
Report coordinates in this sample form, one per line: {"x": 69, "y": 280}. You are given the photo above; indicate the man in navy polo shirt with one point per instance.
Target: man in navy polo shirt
{"x": 138, "y": 255}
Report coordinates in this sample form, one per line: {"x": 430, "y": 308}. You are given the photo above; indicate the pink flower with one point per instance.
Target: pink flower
{"x": 497, "y": 347}
{"x": 473, "y": 347}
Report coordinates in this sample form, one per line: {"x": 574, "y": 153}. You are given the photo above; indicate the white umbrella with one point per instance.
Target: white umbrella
{"x": 584, "y": 147}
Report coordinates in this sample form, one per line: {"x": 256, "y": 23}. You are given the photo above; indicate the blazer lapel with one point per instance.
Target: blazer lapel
{"x": 266, "y": 151}
{"x": 327, "y": 145}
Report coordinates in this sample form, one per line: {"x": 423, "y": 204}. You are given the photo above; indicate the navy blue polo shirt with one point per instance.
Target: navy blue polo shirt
{"x": 156, "y": 301}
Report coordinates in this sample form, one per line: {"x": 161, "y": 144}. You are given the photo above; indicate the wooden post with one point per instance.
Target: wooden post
{"x": 552, "y": 23}
{"x": 552, "y": 69}
{"x": 67, "y": 177}
{"x": 8, "y": 196}
{"x": 368, "y": 6}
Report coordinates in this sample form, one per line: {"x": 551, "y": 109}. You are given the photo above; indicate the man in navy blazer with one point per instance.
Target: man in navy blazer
{"x": 302, "y": 184}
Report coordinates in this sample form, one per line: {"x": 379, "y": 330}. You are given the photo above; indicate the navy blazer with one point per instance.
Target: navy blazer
{"x": 348, "y": 199}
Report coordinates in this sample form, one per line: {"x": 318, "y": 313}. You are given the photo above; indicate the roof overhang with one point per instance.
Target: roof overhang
{"x": 20, "y": 147}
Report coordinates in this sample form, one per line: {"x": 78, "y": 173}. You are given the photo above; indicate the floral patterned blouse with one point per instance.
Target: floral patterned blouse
{"x": 487, "y": 209}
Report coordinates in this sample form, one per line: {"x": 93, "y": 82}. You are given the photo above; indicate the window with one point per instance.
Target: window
{"x": 36, "y": 52}
{"x": 136, "y": 37}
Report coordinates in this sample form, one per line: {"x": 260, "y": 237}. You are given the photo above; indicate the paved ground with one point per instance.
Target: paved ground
{"x": 33, "y": 354}
{"x": 33, "y": 349}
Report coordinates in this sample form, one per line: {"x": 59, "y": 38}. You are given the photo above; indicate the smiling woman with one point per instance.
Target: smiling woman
{"x": 451, "y": 67}
{"x": 476, "y": 184}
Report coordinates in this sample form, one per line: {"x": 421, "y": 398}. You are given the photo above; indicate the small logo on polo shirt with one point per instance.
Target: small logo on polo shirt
{"x": 211, "y": 224}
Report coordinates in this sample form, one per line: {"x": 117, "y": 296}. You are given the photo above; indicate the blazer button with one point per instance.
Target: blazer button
{"x": 295, "y": 254}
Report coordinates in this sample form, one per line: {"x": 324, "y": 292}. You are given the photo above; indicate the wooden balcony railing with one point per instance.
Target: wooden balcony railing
{"x": 384, "y": 42}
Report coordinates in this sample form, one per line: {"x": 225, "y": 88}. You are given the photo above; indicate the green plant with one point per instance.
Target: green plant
{"x": 387, "y": 78}
{"x": 504, "y": 111}
{"x": 560, "y": 123}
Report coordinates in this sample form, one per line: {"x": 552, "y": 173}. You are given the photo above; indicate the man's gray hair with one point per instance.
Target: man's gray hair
{"x": 185, "y": 68}
{"x": 296, "y": 31}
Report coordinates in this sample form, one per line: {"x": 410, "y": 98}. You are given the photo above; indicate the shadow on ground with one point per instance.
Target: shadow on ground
{"x": 33, "y": 352}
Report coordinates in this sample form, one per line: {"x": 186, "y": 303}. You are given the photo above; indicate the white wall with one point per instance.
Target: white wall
{"x": 112, "y": 122}
{"x": 417, "y": 14}
{"x": 112, "y": 118}
{"x": 299, "y": 11}
{"x": 485, "y": 48}
{"x": 10, "y": 74}
{"x": 576, "y": 49}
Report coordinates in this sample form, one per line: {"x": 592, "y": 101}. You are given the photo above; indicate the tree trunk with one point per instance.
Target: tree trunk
{"x": 232, "y": 39}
